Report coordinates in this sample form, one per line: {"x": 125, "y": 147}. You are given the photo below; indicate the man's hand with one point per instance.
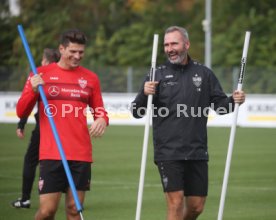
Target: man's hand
{"x": 36, "y": 80}
{"x": 97, "y": 128}
{"x": 239, "y": 97}
{"x": 150, "y": 87}
{"x": 20, "y": 133}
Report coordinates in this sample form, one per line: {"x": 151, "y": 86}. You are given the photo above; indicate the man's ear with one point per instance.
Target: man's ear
{"x": 187, "y": 45}
{"x": 61, "y": 48}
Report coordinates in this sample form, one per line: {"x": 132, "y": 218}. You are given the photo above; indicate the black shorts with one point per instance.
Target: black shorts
{"x": 188, "y": 176}
{"x": 52, "y": 177}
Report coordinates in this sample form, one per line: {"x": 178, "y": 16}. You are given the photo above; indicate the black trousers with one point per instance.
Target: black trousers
{"x": 30, "y": 163}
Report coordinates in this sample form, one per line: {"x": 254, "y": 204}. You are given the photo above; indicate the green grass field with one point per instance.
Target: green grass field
{"x": 251, "y": 193}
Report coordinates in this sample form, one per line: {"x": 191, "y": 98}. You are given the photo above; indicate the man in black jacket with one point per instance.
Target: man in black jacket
{"x": 183, "y": 92}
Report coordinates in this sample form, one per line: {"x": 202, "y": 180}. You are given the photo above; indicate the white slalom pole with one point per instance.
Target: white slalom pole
{"x": 233, "y": 128}
{"x": 146, "y": 132}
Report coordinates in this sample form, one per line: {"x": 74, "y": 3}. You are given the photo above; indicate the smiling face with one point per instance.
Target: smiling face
{"x": 176, "y": 47}
{"x": 71, "y": 55}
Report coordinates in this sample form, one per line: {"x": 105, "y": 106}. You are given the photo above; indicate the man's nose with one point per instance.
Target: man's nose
{"x": 169, "y": 48}
{"x": 77, "y": 55}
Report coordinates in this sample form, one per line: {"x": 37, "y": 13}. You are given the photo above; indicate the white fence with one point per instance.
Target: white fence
{"x": 257, "y": 111}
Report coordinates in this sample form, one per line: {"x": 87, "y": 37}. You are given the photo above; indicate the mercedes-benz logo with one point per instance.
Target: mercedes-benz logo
{"x": 53, "y": 91}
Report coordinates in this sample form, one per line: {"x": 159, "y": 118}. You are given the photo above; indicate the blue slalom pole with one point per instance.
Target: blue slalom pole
{"x": 51, "y": 120}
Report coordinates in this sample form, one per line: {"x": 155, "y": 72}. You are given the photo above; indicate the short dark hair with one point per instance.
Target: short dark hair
{"x": 73, "y": 36}
{"x": 51, "y": 55}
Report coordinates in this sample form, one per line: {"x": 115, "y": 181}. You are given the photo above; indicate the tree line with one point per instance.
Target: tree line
{"x": 121, "y": 32}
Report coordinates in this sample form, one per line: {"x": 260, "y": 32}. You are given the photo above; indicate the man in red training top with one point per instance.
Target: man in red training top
{"x": 69, "y": 89}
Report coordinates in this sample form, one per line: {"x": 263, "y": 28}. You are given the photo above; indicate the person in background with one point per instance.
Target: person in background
{"x": 31, "y": 156}
{"x": 69, "y": 89}
{"x": 183, "y": 92}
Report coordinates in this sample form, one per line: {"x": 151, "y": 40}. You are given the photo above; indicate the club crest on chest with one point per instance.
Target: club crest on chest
{"x": 82, "y": 82}
{"x": 197, "y": 81}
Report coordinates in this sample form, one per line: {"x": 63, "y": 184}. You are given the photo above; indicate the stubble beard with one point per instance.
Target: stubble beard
{"x": 179, "y": 60}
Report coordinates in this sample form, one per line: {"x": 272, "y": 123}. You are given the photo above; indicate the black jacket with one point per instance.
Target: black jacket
{"x": 22, "y": 122}
{"x": 180, "y": 110}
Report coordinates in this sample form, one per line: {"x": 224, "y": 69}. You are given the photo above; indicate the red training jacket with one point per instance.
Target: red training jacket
{"x": 69, "y": 93}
